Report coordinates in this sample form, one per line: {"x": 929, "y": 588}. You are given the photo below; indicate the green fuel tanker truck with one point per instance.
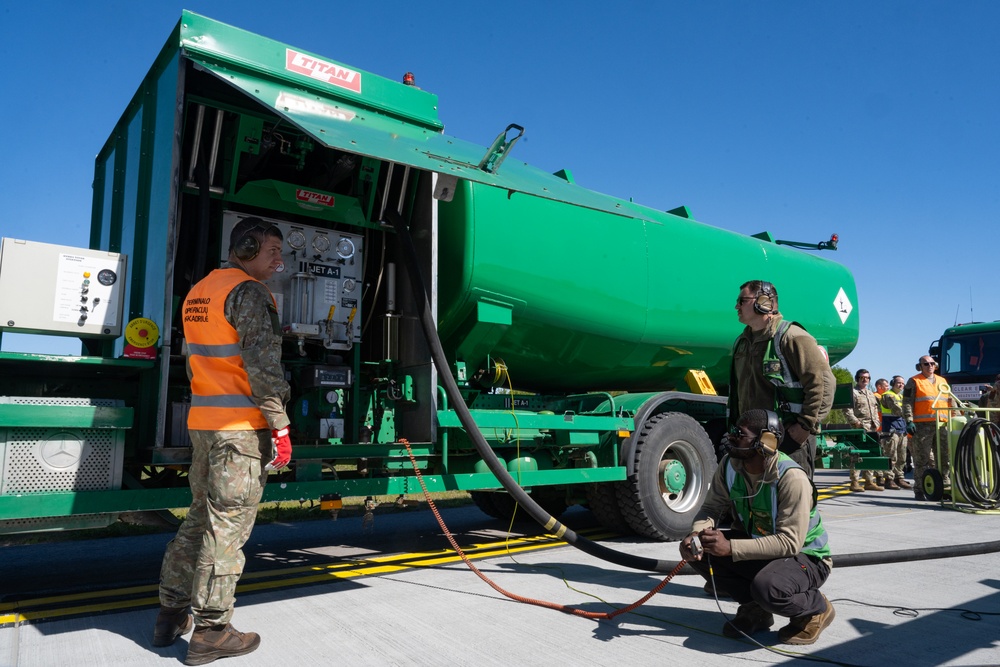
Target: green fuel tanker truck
{"x": 585, "y": 333}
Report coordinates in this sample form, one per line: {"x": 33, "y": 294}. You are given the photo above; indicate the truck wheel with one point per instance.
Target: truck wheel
{"x": 552, "y": 499}
{"x": 603, "y": 502}
{"x": 484, "y": 501}
{"x": 500, "y": 505}
{"x": 674, "y": 464}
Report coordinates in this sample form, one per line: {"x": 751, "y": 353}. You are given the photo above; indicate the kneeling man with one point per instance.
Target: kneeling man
{"x": 777, "y": 555}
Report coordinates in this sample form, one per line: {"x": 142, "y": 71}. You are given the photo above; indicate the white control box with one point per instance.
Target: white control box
{"x": 53, "y": 289}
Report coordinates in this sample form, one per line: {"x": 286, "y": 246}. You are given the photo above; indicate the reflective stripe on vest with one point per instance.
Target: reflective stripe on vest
{"x": 926, "y": 399}
{"x": 761, "y": 505}
{"x": 221, "y": 399}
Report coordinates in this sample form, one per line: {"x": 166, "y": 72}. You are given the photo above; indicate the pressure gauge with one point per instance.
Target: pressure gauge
{"x": 345, "y": 248}
{"x": 349, "y": 284}
{"x": 296, "y": 239}
{"x": 321, "y": 243}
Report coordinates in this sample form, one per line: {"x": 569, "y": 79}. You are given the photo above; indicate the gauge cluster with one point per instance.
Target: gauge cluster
{"x": 317, "y": 292}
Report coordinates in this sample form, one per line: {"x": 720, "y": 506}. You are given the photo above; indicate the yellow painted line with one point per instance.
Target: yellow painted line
{"x": 21, "y": 612}
{"x": 835, "y": 490}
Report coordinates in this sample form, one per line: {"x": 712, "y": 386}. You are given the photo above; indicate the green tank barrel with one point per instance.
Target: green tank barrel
{"x": 572, "y": 298}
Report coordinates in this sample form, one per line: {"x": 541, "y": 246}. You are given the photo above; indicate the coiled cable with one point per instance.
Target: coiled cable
{"x": 977, "y": 481}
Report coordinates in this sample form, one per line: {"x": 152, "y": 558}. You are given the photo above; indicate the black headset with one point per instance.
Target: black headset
{"x": 242, "y": 243}
{"x": 764, "y": 301}
{"x": 771, "y": 436}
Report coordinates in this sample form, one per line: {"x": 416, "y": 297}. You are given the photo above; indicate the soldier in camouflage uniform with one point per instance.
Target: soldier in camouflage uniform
{"x": 237, "y": 421}
{"x": 864, "y": 413}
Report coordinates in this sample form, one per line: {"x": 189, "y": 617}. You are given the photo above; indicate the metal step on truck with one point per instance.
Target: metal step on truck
{"x": 587, "y": 335}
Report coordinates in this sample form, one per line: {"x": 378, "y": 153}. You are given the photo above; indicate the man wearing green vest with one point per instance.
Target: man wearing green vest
{"x": 894, "y": 431}
{"x": 778, "y": 366}
{"x": 777, "y": 554}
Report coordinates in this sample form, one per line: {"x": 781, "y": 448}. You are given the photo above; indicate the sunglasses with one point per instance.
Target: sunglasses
{"x": 928, "y": 363}
{"x": 740, "y": 300}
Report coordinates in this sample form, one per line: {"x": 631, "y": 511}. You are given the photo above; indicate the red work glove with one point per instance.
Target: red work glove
{"x": 283, "y": 447}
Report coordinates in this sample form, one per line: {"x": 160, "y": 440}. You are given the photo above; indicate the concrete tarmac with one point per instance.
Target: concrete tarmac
{"x": 394, "y": 593}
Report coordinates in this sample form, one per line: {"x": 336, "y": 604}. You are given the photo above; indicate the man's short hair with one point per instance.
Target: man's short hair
{"x": 252, "y": 228}
{"x": 754, "y": 420}
{"x": 763, "y": 288}
{"x": 861, "y": 371}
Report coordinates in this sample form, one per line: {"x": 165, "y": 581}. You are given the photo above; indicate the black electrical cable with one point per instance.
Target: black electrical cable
{"x": 544, "y": 518}
{"x": 979, "y": 492}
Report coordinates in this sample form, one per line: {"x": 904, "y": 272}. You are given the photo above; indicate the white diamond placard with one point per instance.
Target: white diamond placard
{"x": 843, "y": 305}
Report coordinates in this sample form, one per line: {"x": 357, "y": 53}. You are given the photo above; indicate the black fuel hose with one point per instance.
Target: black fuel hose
{"x": 979, "y": 492}
{"x": 549, "y": 522}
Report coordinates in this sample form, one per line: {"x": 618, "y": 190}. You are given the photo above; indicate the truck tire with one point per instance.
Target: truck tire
{"x": 500, "y": 504}
{"x": 484, "y": 501}
{"x": 602, "y": 498}
{"x": 674, "y": 464}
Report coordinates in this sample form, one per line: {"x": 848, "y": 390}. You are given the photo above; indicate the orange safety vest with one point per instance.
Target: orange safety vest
{"x": 926, "y": 399}
{"x": 221, "y": 399}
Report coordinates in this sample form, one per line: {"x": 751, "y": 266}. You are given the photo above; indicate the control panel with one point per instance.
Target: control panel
{"x": 54, "y": 289}
{"x": 319, "y": 291}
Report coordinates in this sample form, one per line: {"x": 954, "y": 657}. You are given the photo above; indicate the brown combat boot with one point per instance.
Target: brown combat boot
{"x": 804, "y": 630}
{"x": 219, "y": 641}
{"x": 750, "y": 618}
{"x": 857, "y": 487}
{"x": 903, "y": 484}
{"x": 171, "y": 624}
{"x": 890, "y": 483}
{"x": 870, "y": 485}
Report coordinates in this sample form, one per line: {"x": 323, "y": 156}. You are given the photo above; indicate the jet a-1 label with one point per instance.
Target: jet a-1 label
{"x": 324, "y": 271}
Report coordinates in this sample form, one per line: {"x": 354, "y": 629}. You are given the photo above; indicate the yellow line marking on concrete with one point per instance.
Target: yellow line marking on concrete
{"x": 22, "y": 611}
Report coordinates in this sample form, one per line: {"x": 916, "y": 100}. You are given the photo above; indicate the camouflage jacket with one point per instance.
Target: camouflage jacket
{"x": 865, "y": 409}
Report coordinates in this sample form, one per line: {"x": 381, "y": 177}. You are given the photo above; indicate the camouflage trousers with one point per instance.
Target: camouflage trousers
{"x": 894, "y": 449}
{"x": 925, "y": 452}
{"x": 205, "y": 559}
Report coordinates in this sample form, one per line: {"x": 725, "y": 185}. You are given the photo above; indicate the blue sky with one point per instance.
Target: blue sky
{"x": 878, "y": 121}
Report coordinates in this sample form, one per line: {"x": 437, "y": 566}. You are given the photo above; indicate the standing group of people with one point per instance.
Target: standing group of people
{"x": 918, "y": 407}
{"x": 880, "y": 413}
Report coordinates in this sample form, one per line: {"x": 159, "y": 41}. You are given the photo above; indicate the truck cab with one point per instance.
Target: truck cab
{"x": 968, "y": 356}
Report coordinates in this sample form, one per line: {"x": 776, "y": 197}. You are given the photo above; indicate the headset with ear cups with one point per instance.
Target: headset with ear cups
{"x": 242, "y": 243}
{"x": 771, "y": 435}
{"x": 763, "y": 303}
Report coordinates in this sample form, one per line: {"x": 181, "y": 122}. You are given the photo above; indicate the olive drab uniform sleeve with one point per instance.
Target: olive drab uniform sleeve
{"x": 250, "y": 309}
{"x": 809, "y": 364}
